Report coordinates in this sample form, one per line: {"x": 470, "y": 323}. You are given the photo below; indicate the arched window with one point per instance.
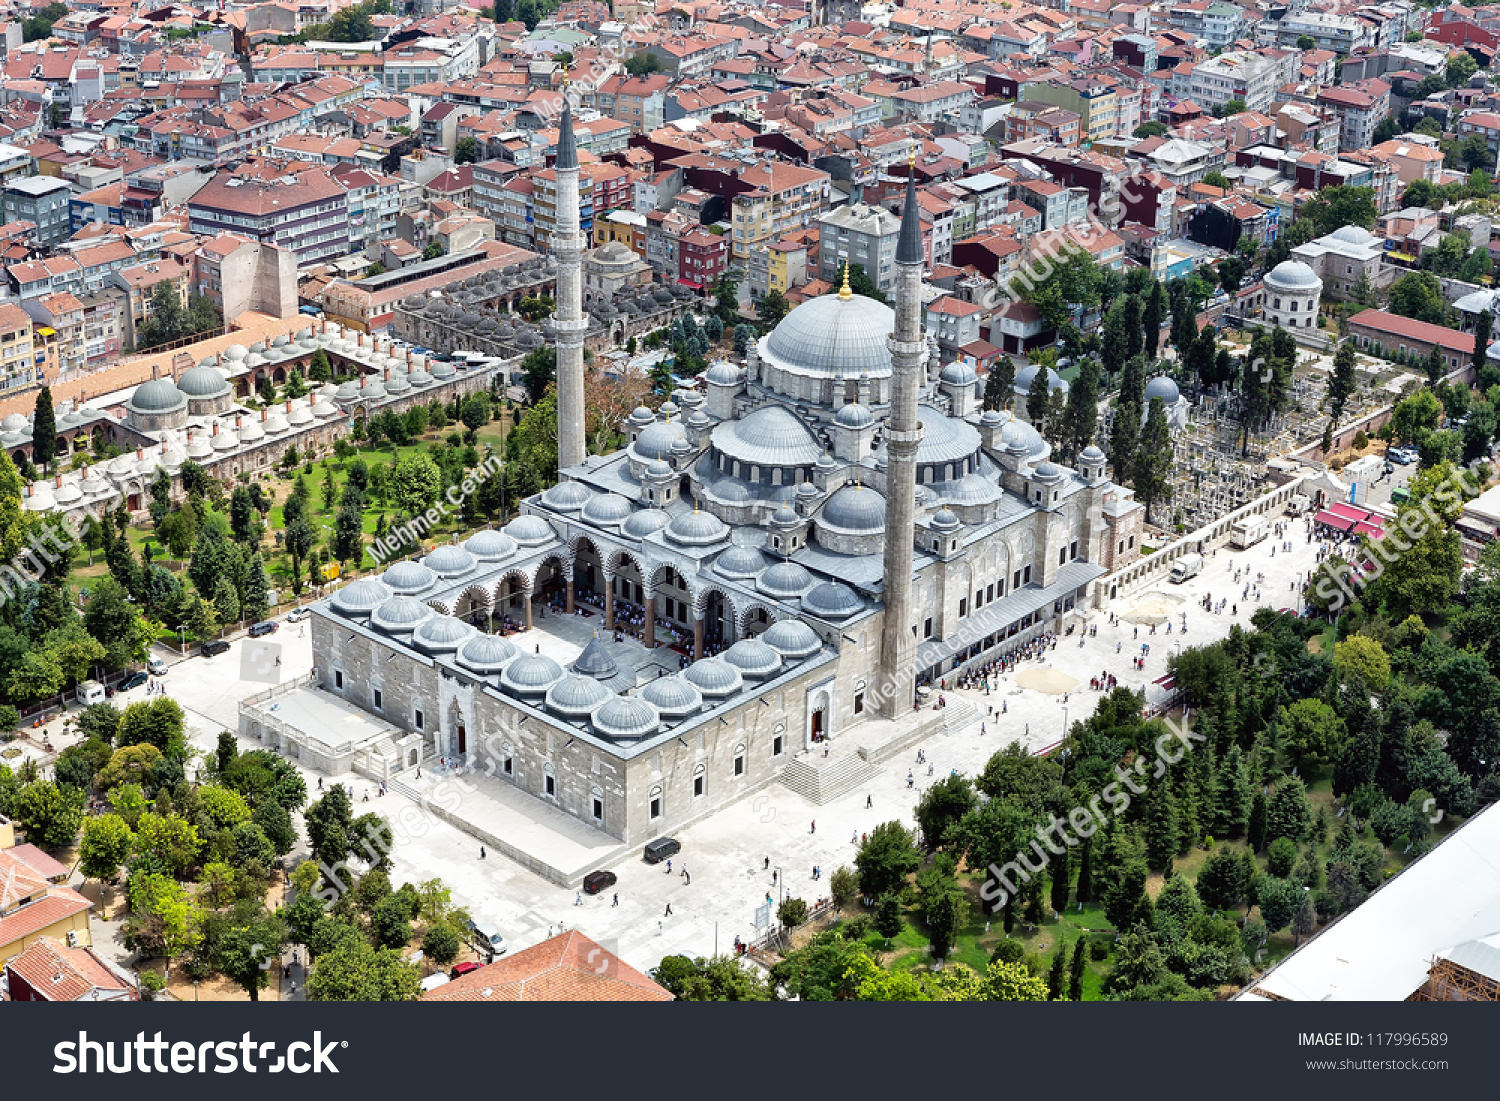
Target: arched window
{"x": 699, "y": 780}
{"x": 656, "y": 804}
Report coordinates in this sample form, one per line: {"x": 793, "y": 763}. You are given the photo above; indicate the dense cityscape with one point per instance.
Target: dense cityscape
{"x": 749, "y": 501}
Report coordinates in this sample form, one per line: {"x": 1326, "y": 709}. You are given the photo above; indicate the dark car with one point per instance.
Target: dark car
{"x": 460, "y": 969}
{"x": 135, "y": 680}
{"x": 595, "y": 882}
{"x": 264, "y": 627}
{"x": 217, "y": 646}
{"x": 661, "y": 848}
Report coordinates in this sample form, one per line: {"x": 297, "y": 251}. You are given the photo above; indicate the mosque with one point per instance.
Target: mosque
{"x": 773, "y": 564}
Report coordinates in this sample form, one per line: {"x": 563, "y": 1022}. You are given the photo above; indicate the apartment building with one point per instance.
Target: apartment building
{"x": 638, "y": 101}
{"x": 58, "y": 332}
{"x": 861, "y": 234}
{"x": 1092, "y": 100}
{"x": 44, "y": 201}
{"x": 930, "y": 102}
{"x": 1030, "y": 119}
{"x": 701, "y": 257}
{"x": 779, "y": 266}
{"x": 20, "y": 364}
{"x": 544, "y": 206}
{"x": 1360, "y": 108}
{"x": 781, "y": 198}
{"x": 1237, "y": 74}
{"x": 301, "y": 207}
{"x": 1216, "y": 22}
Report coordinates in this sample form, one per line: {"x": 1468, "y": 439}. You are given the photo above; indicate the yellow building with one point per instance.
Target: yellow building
{"x": 20, "y": 361}
{"x": 1092, "y": 101}
{"x": 33, "y": 903}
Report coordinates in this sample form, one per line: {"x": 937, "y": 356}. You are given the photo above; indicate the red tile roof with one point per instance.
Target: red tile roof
{"x": 568, "y": 968}
{"x": 59, "y": 904}
{"x": 1381, "y": 322}
{"x": 28, "y": 854}
{"x": 56, "y": 973}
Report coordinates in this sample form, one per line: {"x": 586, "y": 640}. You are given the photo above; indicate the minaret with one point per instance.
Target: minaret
{"x": 567, "y": 246}
{"x": 908, "y": 344}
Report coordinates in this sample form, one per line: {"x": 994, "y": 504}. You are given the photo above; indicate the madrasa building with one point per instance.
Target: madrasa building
{"x": 754, "y": 587}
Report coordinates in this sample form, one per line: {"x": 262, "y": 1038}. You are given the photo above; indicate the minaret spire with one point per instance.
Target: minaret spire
{"x": 571, "y": 322}
{"x": 903, "y": 433}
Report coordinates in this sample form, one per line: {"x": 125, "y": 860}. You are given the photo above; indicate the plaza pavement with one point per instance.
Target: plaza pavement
{"x": 726, "y": 853}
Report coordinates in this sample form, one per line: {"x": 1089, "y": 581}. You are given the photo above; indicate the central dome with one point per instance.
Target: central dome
{"x": 1293, "y": 275}
{"x": 203, "y": 382}
{"x": 829, "y": 336}
{"x": 770, "y": 436}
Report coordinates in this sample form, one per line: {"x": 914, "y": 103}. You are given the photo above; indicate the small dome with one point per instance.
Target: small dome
{"x": 642, "y": 523}
{"x": 236, "y": 352}
{"x": 449, "y": 561}
{"x": 400, "y": 614}
{"x": 724, "y": 374}
{"x": 785, "y": 516}
{"x": 697, "y": 529}
{"x": 14, "y": 423}
{"x": 657, "y": 439}
{"x": 595, "y": 661}
{"x": 944, "y": 520}
{"x": 486, "y": 654}
{"x": 203, "y": 382}
{"x": 1352, "y": 235}
{"x": 409, "y": 578}
{"x": 1027, "y": 375}
{"x": 740, "y": 563}
{"x": 785, "y": 581}
{"x": 855, "y": 509}
{"x": 625, "y": 718}
{"x": 490, "y": 545}
{"x": 361, "y": 597}
{"x": 575, "y": 696}
{"x": 854, "y": 415}
{"x": 568, "y": 496}
{"x": 672, "y": 696}
{"x": 791, "y": 638}
{"x": 442, "y": 634}
{"x": 832, "y": 600}
{"x": 1091, "y": 454}
{"x": 531, "y": 674}
{"x": 607, "y": 509}
{"x": 1162, "y": 387}
{"x": 753, "y": 658}
{"x": 157, "y": 396}
{"x": 660, "y": 468}
{"x": 958, "y": 374}
{"x": 641, "y": 415}
{"x": 714, "y": 677}
{"x": 67, "y": 493}
{"x": 1293, "y": 275}
{"x": 530, "y": 530}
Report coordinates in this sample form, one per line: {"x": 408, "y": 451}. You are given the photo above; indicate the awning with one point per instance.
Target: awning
{"x": 1332, "y": 521}
{"x": 1350, "y": 512}
{"x": 1363, "y": 528}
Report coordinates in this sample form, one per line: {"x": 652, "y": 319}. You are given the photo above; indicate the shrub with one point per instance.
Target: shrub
{"x": 792, "y": 912}
{"x": 1361, "y": 441}
{"x": 1008, "y": 951}
{"x": 1098, "y": 947}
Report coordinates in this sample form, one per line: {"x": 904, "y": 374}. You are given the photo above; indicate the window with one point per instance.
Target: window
{"x": 1062, "y": 555}
{"x": 1015, "y": 581}
{"x": 549, "y": 782}
{"x": 655, "y": 809}
{"x": 508, "y": 765}
{"x": 338, "y": 678}
{"x": 598, "y": 809}
{"x": 927, "y": 628}
{"x": 416, "y": 718}
{"x": 859, "y": 703}
{"x": 739, "y": 764}
{"x": 1073, "y": 550}
{"x": 776, "y": 745}
{"x": 963, "y": 607}
{"x": 698, "y": 781}
{"x": 378, "y": 700}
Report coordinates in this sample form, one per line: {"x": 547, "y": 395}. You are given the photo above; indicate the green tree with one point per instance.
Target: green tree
{"x": 107, "y": 842}
{"x": 1341, "y": 382}
{"x": 1153, "y": 458}
{"x": 50, "y": 813}
{"x": 43, "y": 430}
{"x": 168, "y": 843}
{"x": 1221, "y": 882}
{"x": 466, "y": 151}
{"x": 164, "y": 919}
{"x": 771, "y": 308}
{"x": 1012, "y": 982}
{"x": 119, "y": 625}
{"x": 415, "y": 483}
{"x": 1418, "y": 295}
{"x": 885, "y": 859}
{"x": 1288, "y": 812}
{"x": 355, "y": 972}
{"x": 1278, "y": 900}
{"x": 249, "y": 951}
{"x": 642, "y": 63}
{"x": 440, "y": 943}
{"x": 942, "y": 806}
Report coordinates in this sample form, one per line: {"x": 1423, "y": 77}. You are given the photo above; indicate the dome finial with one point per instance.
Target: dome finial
{"x": 844, "y": 292}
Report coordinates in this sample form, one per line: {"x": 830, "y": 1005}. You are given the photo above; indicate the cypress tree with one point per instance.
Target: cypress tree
{"x": 1134, "y": 336}
{"x": 44, "y": 429}
{"x": 1056, "y": 974}
{"x": 1086, "y": 872}
{"x": 1079, "y": 962}
{"x": 1161, "y": 826}
{"x": 1060, "y": 878}
{"x": 1257, "y": 829}
{"x": 1153, "y": 315}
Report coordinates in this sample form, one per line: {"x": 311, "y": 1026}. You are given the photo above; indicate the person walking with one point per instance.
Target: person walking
{"x": 481, "y": 852}
{"x": 814, "y": 828}
{"x": 616, "y": 901}
{"x": 669, "y": 910}
{"x": 578, "y": 899}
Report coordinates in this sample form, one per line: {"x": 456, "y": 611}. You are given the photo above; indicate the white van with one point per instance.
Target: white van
{"x": 1185, "y": 567}
{"x": 433, "y": 981}
{"x": 90, "y": 692}
{"x": 486, "y": 939}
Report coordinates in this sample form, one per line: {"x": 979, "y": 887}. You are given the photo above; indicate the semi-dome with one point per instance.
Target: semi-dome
{"x": 740, "y": 563}
{"x": 697, "y": 529}
{"x": 854, "y": 415}
{"x": 785, "y": 581}
{"x": 958, "y": 374}
{"x": 1293, "y": 275}
{"x": 855, "y": 509}
{"x": 442, "y": 634}
{"x": 770, "y": 436}
{"x": 625, "y": 718}
{"x": 672, "y": 696}
{"x": 753, "y": 658}
{"x": 568, "y": 496}
{"x": 575, "y": 696}
{"x": 791, "y": 638}
{"x": 1162, "y": 387}
{"x": 645, "y": 521}
{"x": 832, "y": 600}
{"x": 159, "y": 395}
{"x": 944, "y": 439}
{"x": 203, "y": 382}
{"x": 490, "y": 545}
{"x": 724, "y": 374}
{"x": 830, "y": 336}
{"x": 531, "y": 674}
{"x": 714, "y": 677}
{"x": 361, "y": 597}
{"x": 486, "y": 654}
{"x": 944, "y": 520}
{"x": 409, "y": 578}
{"x": 449, "y": 561}
{"x": 607, "y": 509}
{"x": 530, "y": 530}
{"x": 400, "y": 614}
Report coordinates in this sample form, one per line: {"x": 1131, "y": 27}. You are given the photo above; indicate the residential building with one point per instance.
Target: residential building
{"x": 50, "y": 971}
{"x": 237, "y": 275}
{"x": 1029, "y": 119}
{"x": 779, "y": 266}
{"x": 139, "y": 284}
{"x": 1216, "y": 22}
{"x": 44, "y": 201}
{"x": 1360, "y": 107}
{"x": 701, "y": 257}
{"x": 33, "y": 903}
{"x": 780, "y": 198}
{"x": 1092, "y": 100}
{"x": 861, "y": 234}
{"x": 1414, "y": 156}
{"x": 566, "y": 968}
{"x": 930, "y": 102}
{"x": 301, "y": 207}
{"x": 1234, "y": 75}
{"x": 58, "y": 333}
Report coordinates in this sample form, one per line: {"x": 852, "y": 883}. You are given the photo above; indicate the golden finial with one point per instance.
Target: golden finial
{"x": 845, "y": 293}
{"x": 911, "y": 158}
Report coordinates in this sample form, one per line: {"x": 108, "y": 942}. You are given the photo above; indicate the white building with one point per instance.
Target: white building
{"x": 1293, "y": 291}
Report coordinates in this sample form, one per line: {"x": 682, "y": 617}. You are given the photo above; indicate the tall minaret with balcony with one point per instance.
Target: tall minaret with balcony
{"x": 571, "y": 322}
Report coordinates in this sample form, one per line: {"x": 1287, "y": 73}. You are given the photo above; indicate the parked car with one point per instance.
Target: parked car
{"x": 264, "y": 627}
{"x": 595, "y": 882}
{"x": 661, "y": 848}
{"x": 156, "y": 667}
{"x": 215, "y": 646}
{"x": 135, "y": 680}
{"x": 460, "y": 969}
{"x": 297, "y": 615}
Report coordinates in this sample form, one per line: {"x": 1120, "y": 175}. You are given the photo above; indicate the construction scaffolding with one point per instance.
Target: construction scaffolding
{"x": 1452, "y": 982}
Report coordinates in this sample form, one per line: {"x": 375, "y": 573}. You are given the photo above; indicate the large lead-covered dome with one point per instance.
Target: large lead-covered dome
{"x": 770, "y": 436}
{"x": 830, "y": 336}
{"x": 1294, "y": 275}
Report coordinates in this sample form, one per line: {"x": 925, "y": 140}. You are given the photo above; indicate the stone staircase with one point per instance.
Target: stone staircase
{"x": 958, "y": 714}
{"x": 820, "y": 779}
